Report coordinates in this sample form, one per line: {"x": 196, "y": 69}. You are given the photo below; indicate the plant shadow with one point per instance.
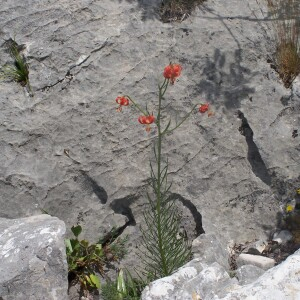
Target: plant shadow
{"x": 220, "y": 87}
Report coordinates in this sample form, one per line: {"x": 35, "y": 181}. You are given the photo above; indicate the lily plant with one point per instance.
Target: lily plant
{"x": 164, "y": 249}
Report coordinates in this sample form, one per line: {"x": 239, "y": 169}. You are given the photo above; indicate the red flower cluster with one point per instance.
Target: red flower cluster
{"x": 122, "y": 101}
{"x": 172, "y": 71}
{"x": 203, "y": 108}
{"x": 147, "y": 120}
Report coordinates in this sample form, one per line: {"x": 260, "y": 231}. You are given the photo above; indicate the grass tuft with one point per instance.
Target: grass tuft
{"x": 18, "y": 70}
{"x": 286, "y": 16}
{"x": 177, "y": 10}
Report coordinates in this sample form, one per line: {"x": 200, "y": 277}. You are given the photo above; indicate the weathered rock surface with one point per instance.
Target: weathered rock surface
{"x": 67, "y": 151}
{"x": 208, "y": 249}
{"x": 33, "y": 259}
{"x": 212, "y": 282}
{"x": 248, "y": 273}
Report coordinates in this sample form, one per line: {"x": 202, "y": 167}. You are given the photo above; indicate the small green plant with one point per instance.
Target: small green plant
{"x": 84, "y": 260}
{"x": 125, "y": 287}
{"x": 285, "y": 14}
{"x": 18, "y": 71}
{"x": 177, "y": 10}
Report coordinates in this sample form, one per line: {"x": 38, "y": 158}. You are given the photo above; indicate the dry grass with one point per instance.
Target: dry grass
{"x": 286, "y": 15}
{"x": 177, "y": 10}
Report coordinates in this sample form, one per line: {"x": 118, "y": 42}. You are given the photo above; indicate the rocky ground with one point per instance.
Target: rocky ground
{"x": 68, "y": 152}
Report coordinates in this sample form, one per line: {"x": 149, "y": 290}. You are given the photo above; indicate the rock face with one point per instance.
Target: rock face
{"x": 67, "y": 151}
{"x": 212, "y": 282}
{"x": 33, "y": 260}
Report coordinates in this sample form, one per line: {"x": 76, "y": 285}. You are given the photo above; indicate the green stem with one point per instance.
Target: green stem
{"x": 137, "y": 106}
{"x": 184, "y": 119}
{"x": 164, "y": 87}
{"x": 159, "y": 183}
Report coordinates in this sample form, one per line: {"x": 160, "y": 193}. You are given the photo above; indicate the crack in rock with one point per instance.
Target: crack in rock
{"x": 69, "y": 76}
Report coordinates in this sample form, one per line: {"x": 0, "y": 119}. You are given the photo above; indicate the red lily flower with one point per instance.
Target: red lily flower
{"x": 147, "y": 120}
{"x": 204, "y": 108}
{"x": 172, "y": 71}
{"x": 122, "y": 101}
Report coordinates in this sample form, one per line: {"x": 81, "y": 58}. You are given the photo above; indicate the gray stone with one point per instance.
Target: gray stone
{"x": 282, "y": 237}
{"x": 262, "y": 262}
{"x": 208, "y": 249}
{"x": 33, "y": 259}
{"x": 248, "y": 273}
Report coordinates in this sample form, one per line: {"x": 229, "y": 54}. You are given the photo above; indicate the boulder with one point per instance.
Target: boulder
{"x": 193, "y": 278}
{"x": 33, "y": 259}
{"x": 212, "y": 282}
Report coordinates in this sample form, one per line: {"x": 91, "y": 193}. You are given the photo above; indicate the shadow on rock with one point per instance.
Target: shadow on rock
{"x": 198, "y": 229}
{"x": 122, "y": 206}
{"x": 90, "y": 185}
{"x": 216, "y": 83}
{"x": 257, "y": 164}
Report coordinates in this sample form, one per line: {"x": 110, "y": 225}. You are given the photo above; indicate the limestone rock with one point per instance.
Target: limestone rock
{"x": 208, "y": 249}
{"x": 211, "y": 282}
{"x": 248, "y": 273}
{"x": 195, "y": 277}
{"x": 262, "y": 262}
{"x": 33, "y": 259}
